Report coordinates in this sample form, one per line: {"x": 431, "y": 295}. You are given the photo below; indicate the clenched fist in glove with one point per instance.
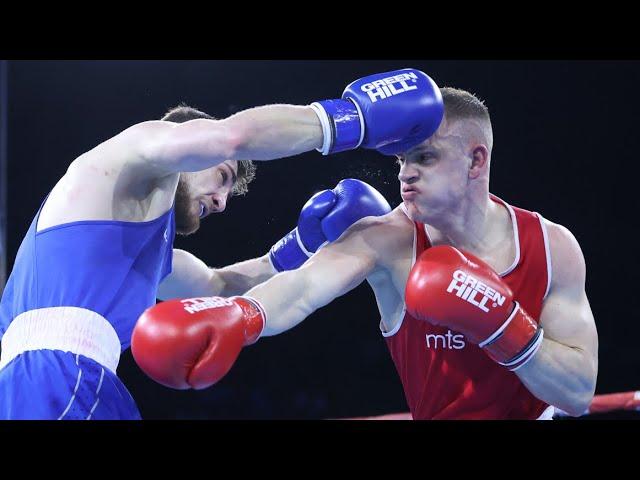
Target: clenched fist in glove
{"x": 193, "y": 343}
{"x": 389, "y": 112}
{"x": 324, "y": 218}
{"x": 459, "y": 291}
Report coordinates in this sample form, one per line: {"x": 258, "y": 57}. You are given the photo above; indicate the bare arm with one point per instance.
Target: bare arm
{"x": 563, "y": 372}
{"x": 290, "y": 297}
{"x": 191, "y": 277}
{"x": 260, "y": 133}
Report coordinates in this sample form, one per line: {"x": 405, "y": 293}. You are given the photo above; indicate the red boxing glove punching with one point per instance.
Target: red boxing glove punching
{"x": 461, "y": 292}
{"x": 193, "y": 343}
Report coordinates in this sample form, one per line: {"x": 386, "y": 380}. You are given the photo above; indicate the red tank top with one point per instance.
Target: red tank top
{"x": 444, "y": 376}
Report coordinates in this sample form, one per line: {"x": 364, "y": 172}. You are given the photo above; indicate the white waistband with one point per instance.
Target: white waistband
{"x": 70, "y": 329}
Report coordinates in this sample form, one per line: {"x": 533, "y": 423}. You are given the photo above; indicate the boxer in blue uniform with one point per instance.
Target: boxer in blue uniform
{"x": 99, "y": 251}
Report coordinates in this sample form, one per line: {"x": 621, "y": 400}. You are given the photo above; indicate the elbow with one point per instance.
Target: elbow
{"x": 583, "y": 388}
{"x": 204, "y": 139}
{"x": 578, "y": 406}
{"x": 235, "y": 144}
{"x": 235, "y": 140}
{"x": 579, "y": 401}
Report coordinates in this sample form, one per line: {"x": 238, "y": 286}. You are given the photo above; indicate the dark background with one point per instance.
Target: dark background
{"x": 565, "y": 145}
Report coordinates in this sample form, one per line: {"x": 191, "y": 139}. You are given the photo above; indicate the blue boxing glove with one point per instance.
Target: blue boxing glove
{"x": 324, "y": 218}
{"x": 389, "y": 112}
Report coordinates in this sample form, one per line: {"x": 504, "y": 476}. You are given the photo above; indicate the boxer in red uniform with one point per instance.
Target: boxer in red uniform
{"x": 482, "y": 304}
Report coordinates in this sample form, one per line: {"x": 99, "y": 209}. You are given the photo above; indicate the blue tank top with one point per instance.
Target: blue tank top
{"x": 110, "y": 267}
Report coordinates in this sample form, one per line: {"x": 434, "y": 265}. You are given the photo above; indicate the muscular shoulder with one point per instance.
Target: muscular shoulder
{"x": 121, "y": 158}
{"x": 385, "y": 234}
{"x": 126, "y": 146}
{"x": 567, "y": 260}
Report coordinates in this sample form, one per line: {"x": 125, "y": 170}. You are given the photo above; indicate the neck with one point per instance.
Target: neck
{"x": 478, "y": 225}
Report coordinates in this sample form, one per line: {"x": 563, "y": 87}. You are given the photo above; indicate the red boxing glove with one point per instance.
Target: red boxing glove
{"x": 193, "y": 343}
{"x": 461, "y": 292}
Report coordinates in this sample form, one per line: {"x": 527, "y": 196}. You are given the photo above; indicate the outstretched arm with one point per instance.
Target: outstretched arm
{"x": 290, "y": 297}
{"x": 260, "y": 133}
{"x": 192, "y": 343}
{"x": 366, "y": 116}
{"x": 323, "y": 218}
{"x": 191, "y": 277}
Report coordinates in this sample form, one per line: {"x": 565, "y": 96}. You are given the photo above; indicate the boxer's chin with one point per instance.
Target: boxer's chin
{"x": 413, "y": 211}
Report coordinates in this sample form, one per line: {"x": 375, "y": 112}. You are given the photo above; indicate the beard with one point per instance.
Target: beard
{"x": 187, "y": 214}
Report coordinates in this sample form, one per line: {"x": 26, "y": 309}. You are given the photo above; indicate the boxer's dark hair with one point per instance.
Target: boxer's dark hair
{"x": 246, "y": 168}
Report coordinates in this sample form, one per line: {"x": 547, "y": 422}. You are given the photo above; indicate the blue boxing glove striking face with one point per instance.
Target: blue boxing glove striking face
{"x": 324, "y": 218}
{"x": 389, "y": 112}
